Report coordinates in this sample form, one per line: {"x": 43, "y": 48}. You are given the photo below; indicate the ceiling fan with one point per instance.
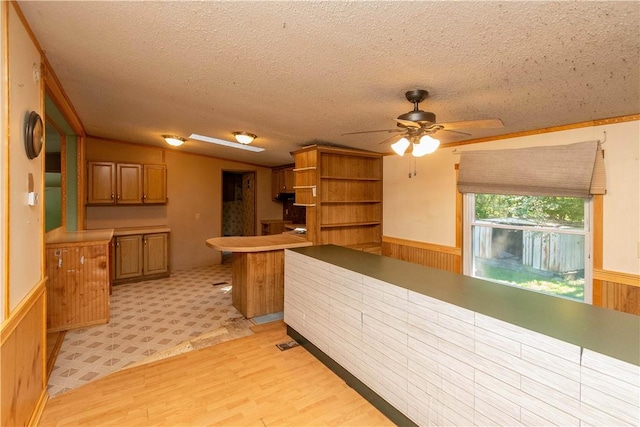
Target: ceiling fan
{"x": 417, "y": 126}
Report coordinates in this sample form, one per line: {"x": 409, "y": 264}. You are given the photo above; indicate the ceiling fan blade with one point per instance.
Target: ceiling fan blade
{"x": 388, "y": 139}
{"x": 475, "y": 124}
{"x": 408, "y": 123}
{"x": 372, "y": 131}
{"x": 457, "y": 131}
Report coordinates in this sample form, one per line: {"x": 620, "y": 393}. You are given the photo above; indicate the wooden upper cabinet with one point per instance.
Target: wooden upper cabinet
{"x": 155, "y": 184}
{"x": 101, "y": 183}
{"x": 288, "y": 180}
{"x": 282, "y": 181}
{"x": 129, "y": 181}
{"x": 112, "y": 183}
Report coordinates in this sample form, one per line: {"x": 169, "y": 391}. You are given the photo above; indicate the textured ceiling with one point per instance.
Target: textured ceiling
{"x": 296, "y": 73}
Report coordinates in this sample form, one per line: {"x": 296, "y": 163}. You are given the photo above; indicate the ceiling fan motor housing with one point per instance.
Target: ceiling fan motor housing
{"x": 416, "y": 96}
{"x": 418, "y": 116}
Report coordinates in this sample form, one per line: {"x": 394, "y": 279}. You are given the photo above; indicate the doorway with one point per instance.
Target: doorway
{"x": 238, "y": 203}
{"x": 61, "y": 171}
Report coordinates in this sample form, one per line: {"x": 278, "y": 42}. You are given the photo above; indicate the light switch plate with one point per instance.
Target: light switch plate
{"x": 32, "y": 199}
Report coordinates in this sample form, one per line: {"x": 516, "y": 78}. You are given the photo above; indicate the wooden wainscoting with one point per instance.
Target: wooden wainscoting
{"x": 618, "y": 291}
{"x": 436, "y": 256}
{"x": 22, "y": 359}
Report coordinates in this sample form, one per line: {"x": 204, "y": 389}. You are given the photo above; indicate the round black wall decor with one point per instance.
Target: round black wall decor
{"x": 33, "y": 135}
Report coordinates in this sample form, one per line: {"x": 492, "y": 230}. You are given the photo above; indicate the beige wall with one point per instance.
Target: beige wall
{"x": 422, "y": 208}
{"x": 22, "y": 347}
{"x": 25, "y": 222}
{"x": 194, "y": 211}
{"x": 3, "y": 158}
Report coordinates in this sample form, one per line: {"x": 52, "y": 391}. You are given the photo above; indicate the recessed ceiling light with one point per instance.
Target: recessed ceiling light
{"x": 225, "y": 143}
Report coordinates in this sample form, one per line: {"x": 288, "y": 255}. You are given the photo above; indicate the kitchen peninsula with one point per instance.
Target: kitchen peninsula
{"x": 427, "y": 346}
{"x": 258, "y": 270}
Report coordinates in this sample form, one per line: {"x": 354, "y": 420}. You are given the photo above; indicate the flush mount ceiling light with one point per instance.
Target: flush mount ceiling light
{"x": 225, "y": 143}
{"x": 174, "y": 140}
{"x": 244, "y": 137}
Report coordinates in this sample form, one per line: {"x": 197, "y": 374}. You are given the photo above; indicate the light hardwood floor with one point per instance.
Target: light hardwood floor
{"x": 247, "y": 381}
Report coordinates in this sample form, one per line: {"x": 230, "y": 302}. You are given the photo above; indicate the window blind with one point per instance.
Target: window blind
{"x": 574, "y": 170}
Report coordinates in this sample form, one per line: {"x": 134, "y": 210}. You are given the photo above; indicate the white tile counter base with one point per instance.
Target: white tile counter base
{"x": 440, "y": 364}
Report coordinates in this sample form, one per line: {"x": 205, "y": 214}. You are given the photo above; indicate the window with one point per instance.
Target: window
{"x": 538, "y": 243}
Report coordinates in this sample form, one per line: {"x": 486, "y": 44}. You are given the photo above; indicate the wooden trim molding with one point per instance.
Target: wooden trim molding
{"x": 598, "y": 238}
{"x": 59, "y": 97}
{"x": 590, "y": 123}
{"x": 616, "y": 277}
{"x": 4, "y": 285}
{"x": 11, "y": 323}
{"x": 422, "y": 245}
{"x": 39, "y": 410}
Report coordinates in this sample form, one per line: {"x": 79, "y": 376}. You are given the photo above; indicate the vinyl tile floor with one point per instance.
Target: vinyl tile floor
{"x": 151, "y": 320}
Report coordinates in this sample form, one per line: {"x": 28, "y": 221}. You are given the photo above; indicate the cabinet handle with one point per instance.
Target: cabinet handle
{"x": 144, "y": 196}
{"x": 112, "y": 195}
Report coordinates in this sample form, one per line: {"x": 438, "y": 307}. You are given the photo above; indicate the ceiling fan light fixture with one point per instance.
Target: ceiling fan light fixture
{"x": 428, "y": 145}
{"x": 400, "y": 146}
{"x": 244, "y": 137}
{"x": 174, "y": 140}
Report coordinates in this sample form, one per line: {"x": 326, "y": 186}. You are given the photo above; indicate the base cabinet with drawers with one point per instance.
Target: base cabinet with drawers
{"x": 142, "y": 256}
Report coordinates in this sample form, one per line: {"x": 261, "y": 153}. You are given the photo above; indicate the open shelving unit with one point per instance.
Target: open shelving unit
{"x": 342, "y": 192}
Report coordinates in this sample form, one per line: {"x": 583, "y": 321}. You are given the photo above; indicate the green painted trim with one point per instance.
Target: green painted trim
{"x": 397, "y": 417}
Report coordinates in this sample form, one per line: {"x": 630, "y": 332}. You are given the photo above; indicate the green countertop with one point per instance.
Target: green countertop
{"x": 609, "y": 332}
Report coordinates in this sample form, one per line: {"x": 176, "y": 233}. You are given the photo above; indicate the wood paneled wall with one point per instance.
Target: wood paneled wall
{"x": 22, "y": 359}
{"x": 618, "y": 296}
{"x": 617, "y": 291}
{"x": 435, "y": 256}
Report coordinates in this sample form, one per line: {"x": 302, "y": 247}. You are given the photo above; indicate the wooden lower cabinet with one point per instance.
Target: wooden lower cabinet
{"x": 128, "y": 257}
{"x": 155, "y": 251}
{"x": 78, "y": 285}
{"x": 141, "y": 257}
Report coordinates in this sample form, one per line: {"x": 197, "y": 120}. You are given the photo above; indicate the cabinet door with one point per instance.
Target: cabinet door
{"x": 276, "y": 183}
{"x": 101, "y": 183}
{"x": 156, "y": 252}
{"x": 288, "y": 180}
{"x": 128, "y": 256}
{"x": 155, "y": 184}
{"x": 129, "y": 184}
